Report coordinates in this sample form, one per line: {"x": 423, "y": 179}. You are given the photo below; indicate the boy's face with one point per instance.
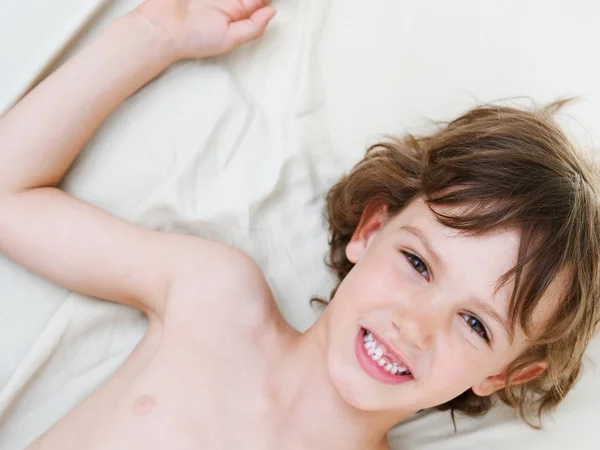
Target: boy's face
{"x": 426, "y": 295}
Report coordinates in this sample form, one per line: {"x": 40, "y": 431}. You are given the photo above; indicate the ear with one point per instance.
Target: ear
{"x": 496, "y": 382}
{"x": 370, "y": 222}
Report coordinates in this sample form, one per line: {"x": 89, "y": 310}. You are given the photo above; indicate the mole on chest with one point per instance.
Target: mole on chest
{"x": 143, "y": 405}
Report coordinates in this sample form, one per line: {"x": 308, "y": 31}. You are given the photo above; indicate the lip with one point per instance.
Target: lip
{"x": 371, "y": 367}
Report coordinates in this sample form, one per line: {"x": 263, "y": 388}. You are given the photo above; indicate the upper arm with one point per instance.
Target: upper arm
{"x": 90, "y": 251}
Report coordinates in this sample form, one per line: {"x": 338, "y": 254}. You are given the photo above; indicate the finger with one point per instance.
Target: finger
{"x": 253, "y": 5}
{"x": 246, "y": 30}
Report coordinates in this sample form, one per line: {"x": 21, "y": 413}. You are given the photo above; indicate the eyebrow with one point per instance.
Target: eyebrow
{"x": 483, "y": 305}
{"x": 421, "y": 236}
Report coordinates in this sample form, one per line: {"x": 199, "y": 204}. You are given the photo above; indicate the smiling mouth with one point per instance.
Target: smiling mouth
{"x": 377, "y": 353}
{"x": 378, "y": 362}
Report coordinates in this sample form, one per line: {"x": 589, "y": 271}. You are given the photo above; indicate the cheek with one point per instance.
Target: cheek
{"x": 457, "y": 360}
{"x": 452, "y": 376}
{"x": 377, "y": 281}
{"x": 458, "y": 367}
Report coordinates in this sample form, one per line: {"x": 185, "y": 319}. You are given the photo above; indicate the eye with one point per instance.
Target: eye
{"x": 476, "y": 326}
{"x": 417, "y": 264}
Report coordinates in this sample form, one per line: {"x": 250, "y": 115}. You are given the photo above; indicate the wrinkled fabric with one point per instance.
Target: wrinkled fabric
{"x": 242, "y": 148}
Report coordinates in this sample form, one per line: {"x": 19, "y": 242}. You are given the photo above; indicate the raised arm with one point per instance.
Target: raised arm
{"x": 62, "y": 238}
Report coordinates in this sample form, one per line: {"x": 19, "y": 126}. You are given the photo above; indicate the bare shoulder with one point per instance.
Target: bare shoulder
{"x": 221, "y": 284}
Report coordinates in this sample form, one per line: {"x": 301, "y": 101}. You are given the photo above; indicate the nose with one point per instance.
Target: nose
{"x": 415, "y": 324}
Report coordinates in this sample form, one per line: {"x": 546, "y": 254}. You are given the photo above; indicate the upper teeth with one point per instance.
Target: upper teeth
{"x": 376, "y": 352}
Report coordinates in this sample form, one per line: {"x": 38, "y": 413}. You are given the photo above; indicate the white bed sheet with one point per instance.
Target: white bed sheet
{"x": 242, "y": 148}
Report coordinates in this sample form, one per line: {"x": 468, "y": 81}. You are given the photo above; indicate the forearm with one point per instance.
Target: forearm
{"x": 41, "y": 136}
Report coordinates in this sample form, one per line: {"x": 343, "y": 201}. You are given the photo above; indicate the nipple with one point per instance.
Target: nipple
{"x": 143, "y": 405}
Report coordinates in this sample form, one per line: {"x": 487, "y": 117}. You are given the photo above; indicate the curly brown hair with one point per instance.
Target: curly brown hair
{"x": 510, "y": 168}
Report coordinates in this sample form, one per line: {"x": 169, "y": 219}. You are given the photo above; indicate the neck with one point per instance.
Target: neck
{"x": 311, "y": 411}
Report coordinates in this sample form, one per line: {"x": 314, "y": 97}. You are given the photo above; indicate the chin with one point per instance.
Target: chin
{"x": 355, "y": 390}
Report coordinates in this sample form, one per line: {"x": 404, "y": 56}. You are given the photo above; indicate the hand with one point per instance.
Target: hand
{"x": 202, "y": 28}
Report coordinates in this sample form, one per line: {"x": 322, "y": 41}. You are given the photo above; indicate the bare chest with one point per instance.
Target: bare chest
{"x": 184, "y": 387}
{"x": 213, "y": 397}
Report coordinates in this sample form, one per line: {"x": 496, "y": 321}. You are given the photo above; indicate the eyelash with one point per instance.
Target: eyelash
{"x": 475, "y": 325}
{"x": 411, "y": 259}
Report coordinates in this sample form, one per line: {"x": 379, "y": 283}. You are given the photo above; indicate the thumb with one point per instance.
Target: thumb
{"x": 246, "y": 30}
